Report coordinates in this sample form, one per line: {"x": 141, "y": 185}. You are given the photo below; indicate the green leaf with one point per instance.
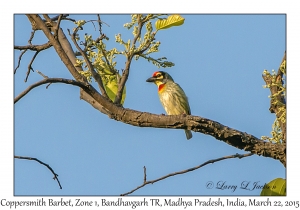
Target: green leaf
{"x": 111, "y": 87}
{"x": 276, "y": 187}
{"x": 172, "y": 20}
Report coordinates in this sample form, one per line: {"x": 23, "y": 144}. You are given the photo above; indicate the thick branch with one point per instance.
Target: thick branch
{"x": 184, "y": 171}
{"x": 238, "y": 139}
{"x": 37, "y": 22}
{"x": 67, "y": 55}
{"x": 37, "y": 160}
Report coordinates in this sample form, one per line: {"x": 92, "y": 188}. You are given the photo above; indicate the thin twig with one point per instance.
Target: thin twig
{"x": 43, "y": 75}
{"x": 50, "y": 80}
{"x": 97, "y": 21}
{"x": 34, "y": 47}
{"x": 30, "y": 65}
{"x": 185, "y": 171}
{"x": 19, "y": 60}
{"x": 41, "y": 162}
{"x": 64, "y": 17}
{"x": 31, "y": 37}
{"x": 100, "y": 24}
{"x": 145, "y": 174}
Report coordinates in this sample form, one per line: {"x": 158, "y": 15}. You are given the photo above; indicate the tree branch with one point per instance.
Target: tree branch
{"x": 50, "y": 80}
{"x": 66, "y": 54}
{"x": 238, "y": 139}
{"x": 38, "y": 23}
{"x": 30, "y": 65}
{"x": 34, "y": 47}
{"x": 37, "y": 160}
{"x": 184, "y": 171}
{"x": 57, "y": 26}
{"x": 37, "y": 48}
{"x": 19, "y": 60}
{"x": 64, "y": 17}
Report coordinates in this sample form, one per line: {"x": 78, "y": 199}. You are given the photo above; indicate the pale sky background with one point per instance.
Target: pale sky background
{"x": 218, "y": 62}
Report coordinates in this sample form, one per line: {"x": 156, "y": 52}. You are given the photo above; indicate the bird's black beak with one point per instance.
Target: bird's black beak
{"x": 151, "y": 79}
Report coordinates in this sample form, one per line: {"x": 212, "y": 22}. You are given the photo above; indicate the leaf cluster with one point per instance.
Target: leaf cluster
{"x": 277, "y": 100}
{"x": 141, "y": 46}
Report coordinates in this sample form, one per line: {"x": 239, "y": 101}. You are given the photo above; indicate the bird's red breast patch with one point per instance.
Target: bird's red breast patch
{"x": 160, "y": 87}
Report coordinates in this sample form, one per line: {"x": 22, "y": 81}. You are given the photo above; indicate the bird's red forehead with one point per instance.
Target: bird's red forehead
{"x": 155, "y": 73}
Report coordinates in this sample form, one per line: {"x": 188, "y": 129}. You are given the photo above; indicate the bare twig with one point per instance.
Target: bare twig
{"x": 19, "y": 60}
{"x": 100, "y": 24}
{"x": 34, "y": 47}
{"x": 145, "y": 174}
{"x": 185, "y": 171}
{"x": 64, "y": 17}
{"x": 97, "y": 21}
{"x": 30, "y": 65}
{"x": 31, "y": 37}
{"x": 50, "y": 80}
{"x": 43, "y": 75}
{"x": 37, "y": 48}
{"x": 41, "y": 162}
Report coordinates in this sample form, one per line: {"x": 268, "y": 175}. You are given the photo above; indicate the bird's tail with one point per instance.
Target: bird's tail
{"x": 188, "y": 134}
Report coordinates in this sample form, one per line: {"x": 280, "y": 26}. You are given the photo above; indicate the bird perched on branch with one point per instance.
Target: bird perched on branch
{"x": 171, "y": 96}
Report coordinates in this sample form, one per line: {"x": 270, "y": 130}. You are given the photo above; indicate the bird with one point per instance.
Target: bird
{"x": 171, "y": 95}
